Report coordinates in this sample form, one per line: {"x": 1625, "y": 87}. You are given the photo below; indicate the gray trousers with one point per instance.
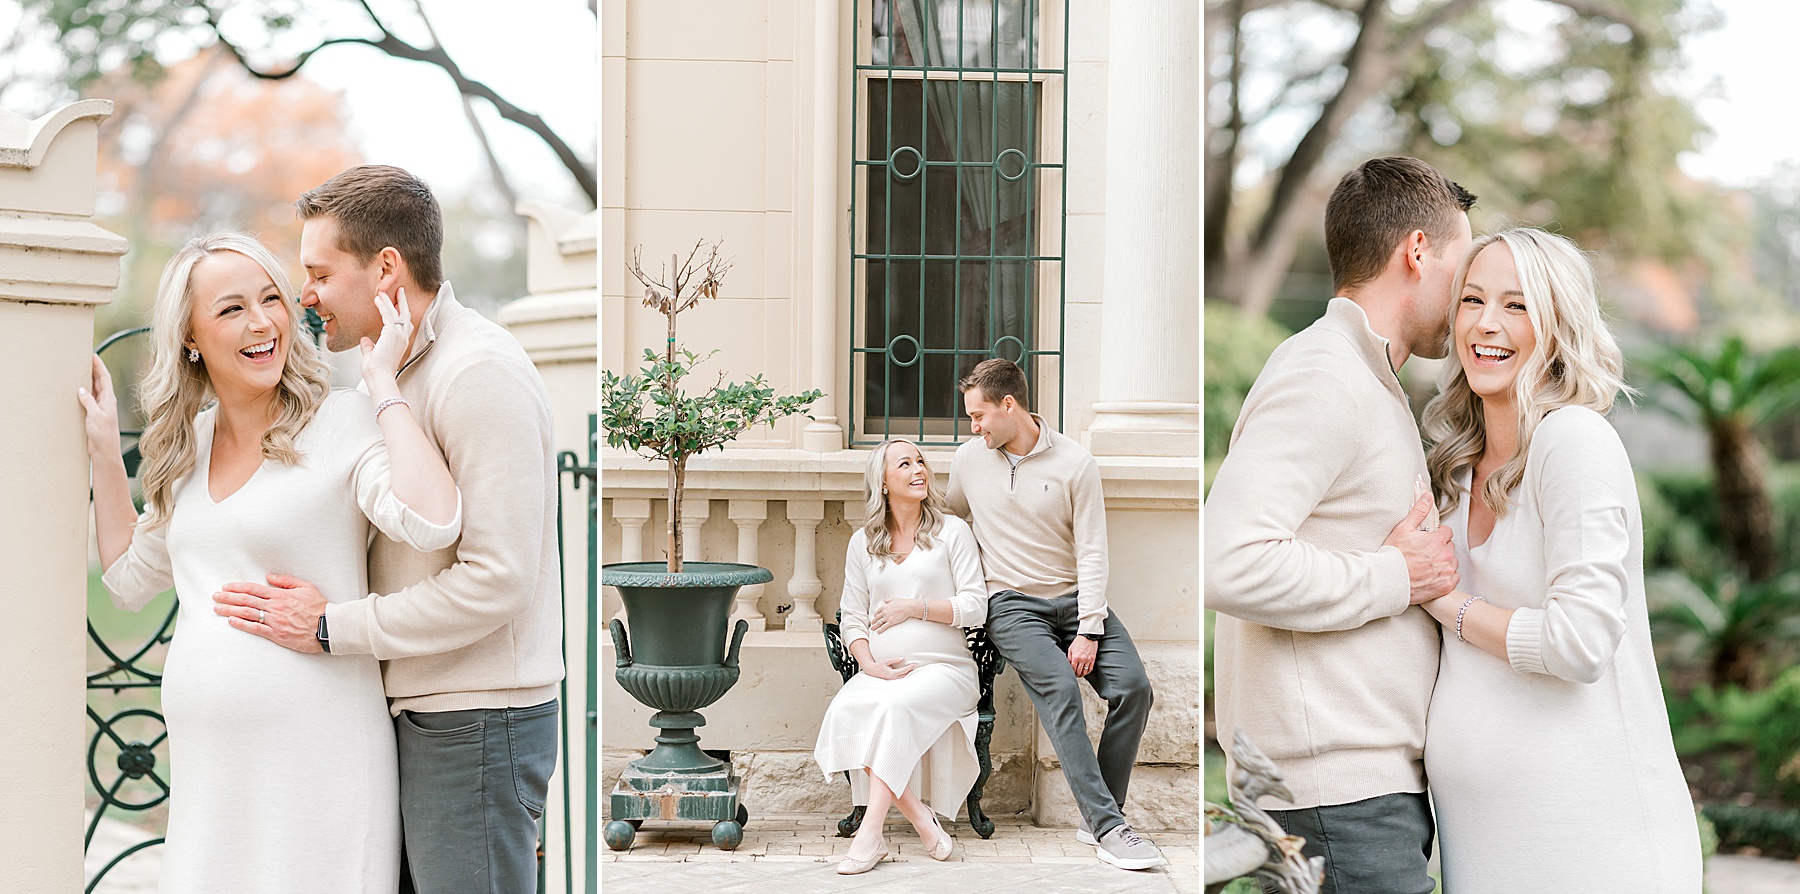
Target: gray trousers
{"x": 1034, "y": 635}
{"x": 472, "y": 787}
{"x": 1375, "y": 846}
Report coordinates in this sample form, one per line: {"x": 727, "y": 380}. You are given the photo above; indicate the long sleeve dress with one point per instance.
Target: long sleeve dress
{"x": 917, "y": 732}
{"x": 1554, "y": 769}
{"x": 283, "y": 772}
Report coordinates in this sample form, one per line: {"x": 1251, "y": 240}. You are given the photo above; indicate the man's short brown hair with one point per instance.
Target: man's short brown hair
{"x": 377, "y": 206}
{"x": 1378, "y": 204}
{"x": 996, "y": 378}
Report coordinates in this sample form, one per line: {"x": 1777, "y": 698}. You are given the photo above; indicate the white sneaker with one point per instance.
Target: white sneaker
{"x": 1123, "y": 848}
{"x": 1084, "y": 835}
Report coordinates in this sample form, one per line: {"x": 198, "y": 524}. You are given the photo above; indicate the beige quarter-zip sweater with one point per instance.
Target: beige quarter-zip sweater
{"x": 1316, "y": 654}
{"x": 1042, "y": 524}
{"x": 479, "y": 623}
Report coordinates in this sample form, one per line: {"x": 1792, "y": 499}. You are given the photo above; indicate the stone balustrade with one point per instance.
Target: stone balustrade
{"x": 793, "y": 511}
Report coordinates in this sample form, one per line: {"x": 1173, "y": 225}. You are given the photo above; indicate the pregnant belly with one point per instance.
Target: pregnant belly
{"x": 921, "y": 642}
{"x": 230, "y": 680}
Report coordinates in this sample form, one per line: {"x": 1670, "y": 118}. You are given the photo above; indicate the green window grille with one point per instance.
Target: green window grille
{"x": 957, "y": 226}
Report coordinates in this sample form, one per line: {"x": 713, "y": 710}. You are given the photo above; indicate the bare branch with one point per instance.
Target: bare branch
{"x": 393, "y": 46}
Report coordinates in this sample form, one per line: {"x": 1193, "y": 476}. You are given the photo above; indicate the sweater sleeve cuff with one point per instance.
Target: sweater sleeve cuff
{"x": 419, "y": 532}
{"x": 347, "y": 623}
{"x": 1525, "y": 641}
{"x": 1393, "y": 584}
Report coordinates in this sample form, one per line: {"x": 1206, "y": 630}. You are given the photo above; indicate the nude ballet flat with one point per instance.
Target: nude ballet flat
{"x": 858, "y": 867}
{"x": 940, "y": 849}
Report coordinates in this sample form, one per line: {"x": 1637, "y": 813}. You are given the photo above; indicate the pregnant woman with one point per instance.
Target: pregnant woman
{"x": 283, "y": 765}
{"x": 912, "y": 582}
{"x": 1547, "y": 743}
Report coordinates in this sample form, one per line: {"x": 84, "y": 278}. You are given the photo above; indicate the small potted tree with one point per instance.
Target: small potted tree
{"x": 679, "y": 610}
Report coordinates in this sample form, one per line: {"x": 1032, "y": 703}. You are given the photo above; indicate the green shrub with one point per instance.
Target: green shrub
{"x": 1765, "y": 720}
{"x": 1772, "y": 831}
{"x": 1237, "y": 346}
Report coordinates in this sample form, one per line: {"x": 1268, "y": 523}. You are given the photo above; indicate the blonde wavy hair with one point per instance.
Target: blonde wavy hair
{"x": 175, "y": 390}
{"x": 879, "y": 523}
{"x": 1577, "y": 363}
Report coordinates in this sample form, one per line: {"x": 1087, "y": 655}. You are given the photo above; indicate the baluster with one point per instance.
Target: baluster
{"x": 632, "y": 516}
{"x": 805, "y": 586}
{"x": 748, "y": 515}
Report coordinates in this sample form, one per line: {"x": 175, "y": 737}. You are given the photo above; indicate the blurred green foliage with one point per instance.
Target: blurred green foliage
{"x": 1237, "y": 345}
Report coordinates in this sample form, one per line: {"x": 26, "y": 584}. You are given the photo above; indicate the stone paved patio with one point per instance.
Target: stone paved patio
{"x": 793, "y": 855}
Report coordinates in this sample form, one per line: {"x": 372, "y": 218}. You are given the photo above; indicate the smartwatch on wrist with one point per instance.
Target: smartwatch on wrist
{"x": 322, "y": 635}
{"x": 1090, "y": 637}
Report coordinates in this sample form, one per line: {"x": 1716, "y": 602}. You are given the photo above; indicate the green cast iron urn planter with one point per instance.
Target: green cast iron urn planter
{"x": 677, "y": 661}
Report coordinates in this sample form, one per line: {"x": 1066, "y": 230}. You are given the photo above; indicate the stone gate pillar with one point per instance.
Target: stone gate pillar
{"x": 55, "y": 266}
{"x": 556, "y": 324}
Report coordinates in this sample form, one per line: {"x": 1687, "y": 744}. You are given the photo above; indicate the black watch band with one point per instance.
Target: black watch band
{"x": 1095, "y": 637}
{"x": 323, "y": 636}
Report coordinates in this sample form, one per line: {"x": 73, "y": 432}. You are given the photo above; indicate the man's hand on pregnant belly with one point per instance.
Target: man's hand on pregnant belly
{"x": 285, "y": 612}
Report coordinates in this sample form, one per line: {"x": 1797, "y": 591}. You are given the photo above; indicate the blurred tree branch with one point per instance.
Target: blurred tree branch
{"x": 123, "y": 31}
{"x": 1619, "y": 147}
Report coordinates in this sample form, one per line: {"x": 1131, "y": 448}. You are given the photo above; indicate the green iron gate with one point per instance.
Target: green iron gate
{"x": 124, "y": 704}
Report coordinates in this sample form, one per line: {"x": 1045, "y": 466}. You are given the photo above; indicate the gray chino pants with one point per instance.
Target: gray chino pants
{"x": 1375, "y": 846}
{"x": 1034, "y": 635}
{"x": 472, "y": 787}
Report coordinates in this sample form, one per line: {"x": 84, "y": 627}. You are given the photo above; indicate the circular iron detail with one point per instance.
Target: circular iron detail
{"x": 995, "y": 350}
{"x": 136, "y": 760}
{"x": 917, "y": 351}
{"x": 1000, "y": 169}
{"x": 133, "y": 756}
{"x": 918, "y": 168}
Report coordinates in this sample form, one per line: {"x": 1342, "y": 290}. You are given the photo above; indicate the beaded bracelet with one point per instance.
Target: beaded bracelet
{"x": 1459, "y": 616}
{"x": 388, "y": 403}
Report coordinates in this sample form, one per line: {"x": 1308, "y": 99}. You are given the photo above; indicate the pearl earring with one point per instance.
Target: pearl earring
{"x": 193, "y": 355}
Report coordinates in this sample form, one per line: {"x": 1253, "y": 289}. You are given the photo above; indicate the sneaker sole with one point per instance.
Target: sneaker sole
{"x": 1127, "y": 862}
{"x": 1084, "y": 837}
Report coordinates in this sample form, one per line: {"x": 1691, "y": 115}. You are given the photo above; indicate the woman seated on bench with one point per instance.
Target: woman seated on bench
{"x": 912, "y": 582}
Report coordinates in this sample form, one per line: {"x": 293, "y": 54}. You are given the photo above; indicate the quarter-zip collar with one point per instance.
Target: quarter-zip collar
{"x": 1347, "y": 319}
{"x": 429, "y": 324}
{"x": 1044, "y": 443}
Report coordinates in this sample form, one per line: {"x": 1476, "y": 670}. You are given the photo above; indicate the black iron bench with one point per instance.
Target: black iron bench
{"x": 988, "y": 665}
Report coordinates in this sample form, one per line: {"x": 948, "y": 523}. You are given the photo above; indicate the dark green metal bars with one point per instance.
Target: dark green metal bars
{"x": 950, "y": 180}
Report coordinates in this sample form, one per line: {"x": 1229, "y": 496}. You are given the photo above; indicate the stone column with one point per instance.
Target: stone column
{"x": 556, "y": 325}
{"x": 55, "y": 266}
{"x": 825, "y": 432}
{"x": 748, "y": 515}
{"x": 804, "y": 586}
{"x": 1150, "y": 318}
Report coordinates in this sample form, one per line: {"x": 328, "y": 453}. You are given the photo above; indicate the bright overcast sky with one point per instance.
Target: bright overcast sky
{"x": 1750, "y": 105}
{"x": 542, "y": 55}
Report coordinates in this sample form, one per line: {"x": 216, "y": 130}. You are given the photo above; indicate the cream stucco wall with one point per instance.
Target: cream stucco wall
{"x": 709, "y": 118}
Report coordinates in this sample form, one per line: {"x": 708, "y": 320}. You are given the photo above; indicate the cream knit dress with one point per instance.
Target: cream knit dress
{"x": 1555, "y": 771}
{"x": 918, "y": 732}
{"x": 282, "y": 765}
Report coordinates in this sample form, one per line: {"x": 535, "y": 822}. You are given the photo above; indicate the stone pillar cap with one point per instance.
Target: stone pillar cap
{"x": 575, "y": 232}
{"x": 23, "y": 142}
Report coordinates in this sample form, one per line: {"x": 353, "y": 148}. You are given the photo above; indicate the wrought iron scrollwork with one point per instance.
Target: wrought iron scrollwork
{"x": 129, "y": 780}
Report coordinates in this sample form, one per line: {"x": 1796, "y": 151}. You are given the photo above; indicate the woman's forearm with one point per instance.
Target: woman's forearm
{"x": 115, "y": 518}
{"x": 417, "y": 473}
{"x": 1483, "y": 625}
{"x": 859, "y": 649}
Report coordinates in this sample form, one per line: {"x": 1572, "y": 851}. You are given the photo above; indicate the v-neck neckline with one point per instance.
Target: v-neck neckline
{"x": 211, "y": 444}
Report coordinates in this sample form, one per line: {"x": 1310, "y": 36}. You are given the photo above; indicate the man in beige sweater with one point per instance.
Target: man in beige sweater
{"x": 469, "y": 636}
{"x": 1314, "y": 555}
{"x": 1033, "y": 497}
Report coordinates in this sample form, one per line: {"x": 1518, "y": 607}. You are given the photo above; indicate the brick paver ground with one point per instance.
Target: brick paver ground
{"x": 798, "y": 855}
